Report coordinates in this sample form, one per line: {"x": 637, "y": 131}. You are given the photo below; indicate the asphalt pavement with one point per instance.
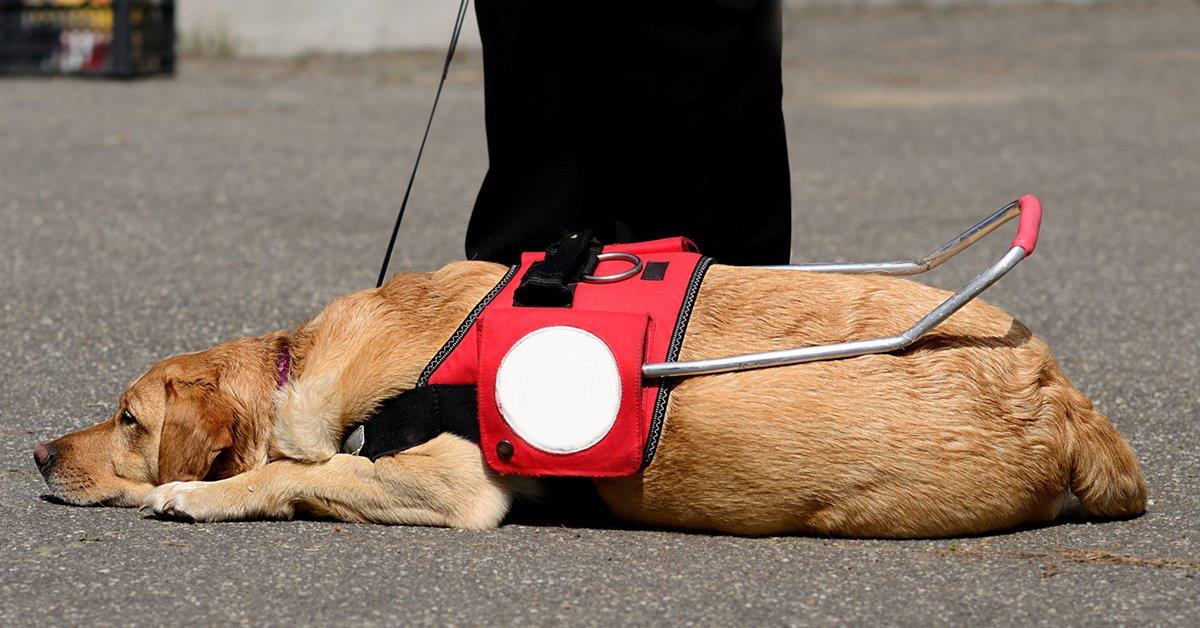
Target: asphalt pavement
{"x": 143, "y": 218}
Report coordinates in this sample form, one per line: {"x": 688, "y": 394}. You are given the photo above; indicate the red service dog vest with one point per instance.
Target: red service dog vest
{"x": 558, "y": 389}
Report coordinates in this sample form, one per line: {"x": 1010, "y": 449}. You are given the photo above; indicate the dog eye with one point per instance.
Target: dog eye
{"x": 127, "y": 418}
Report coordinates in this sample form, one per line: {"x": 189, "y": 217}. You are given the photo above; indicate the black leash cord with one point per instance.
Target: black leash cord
{"x": 458, "y": 26}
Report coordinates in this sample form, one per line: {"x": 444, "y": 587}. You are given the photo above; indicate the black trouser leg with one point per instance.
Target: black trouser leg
{"x": 636, "y": 119}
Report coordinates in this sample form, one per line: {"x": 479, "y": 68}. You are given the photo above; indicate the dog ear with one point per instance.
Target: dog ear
{"x": 197, "y": 428}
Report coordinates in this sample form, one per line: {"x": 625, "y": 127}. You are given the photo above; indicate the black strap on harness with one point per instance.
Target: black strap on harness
{"x": 551, "y": 282}
{"x": 419, "y": 415}
{"x": 416, "y": 417}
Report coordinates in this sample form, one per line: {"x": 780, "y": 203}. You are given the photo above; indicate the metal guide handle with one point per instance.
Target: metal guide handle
{"x": 1029, "y": 208}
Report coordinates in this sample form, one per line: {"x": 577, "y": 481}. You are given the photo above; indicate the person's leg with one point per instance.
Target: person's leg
{"x": 532, "y": 191}
{"x": 636, "y": 120}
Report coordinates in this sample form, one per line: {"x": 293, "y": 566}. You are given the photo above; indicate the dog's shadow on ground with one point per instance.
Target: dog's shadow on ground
{"x": 567, "y": 503}
{"x": 576, "y": 504}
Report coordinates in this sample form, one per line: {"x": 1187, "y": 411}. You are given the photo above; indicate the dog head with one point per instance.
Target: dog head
{"x": 191, "y": 417}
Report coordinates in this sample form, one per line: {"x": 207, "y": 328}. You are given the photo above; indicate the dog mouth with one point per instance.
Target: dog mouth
{"x": 71, "y": 489}
{"x": 66, "y": 499}
{"x": 68, "y": 490}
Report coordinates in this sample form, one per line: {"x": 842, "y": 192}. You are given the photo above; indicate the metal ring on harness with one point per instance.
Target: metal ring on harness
{"x": 621, "y": 276}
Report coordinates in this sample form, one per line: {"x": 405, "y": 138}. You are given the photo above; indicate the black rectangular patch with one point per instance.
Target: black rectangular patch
{"x": 655, "y": 271}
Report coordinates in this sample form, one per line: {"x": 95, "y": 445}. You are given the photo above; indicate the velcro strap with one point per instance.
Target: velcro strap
{"x": 551, "y": 282}
{"x": 414, "y": 418}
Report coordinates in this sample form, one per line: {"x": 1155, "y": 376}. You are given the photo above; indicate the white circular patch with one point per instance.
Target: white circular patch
{"x": 559, "y": 389}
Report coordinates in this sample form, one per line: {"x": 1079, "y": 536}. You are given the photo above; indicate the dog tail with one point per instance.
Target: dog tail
{"x": 1105, "y": 475}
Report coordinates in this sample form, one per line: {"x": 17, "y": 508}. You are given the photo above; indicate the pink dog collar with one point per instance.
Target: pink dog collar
{"x": 283, "y": 365}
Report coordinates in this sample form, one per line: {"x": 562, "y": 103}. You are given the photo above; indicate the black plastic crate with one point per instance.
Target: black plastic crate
{"x": 121, "y": 38}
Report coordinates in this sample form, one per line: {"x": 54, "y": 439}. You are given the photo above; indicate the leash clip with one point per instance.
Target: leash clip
{"x": 355, "y": 441}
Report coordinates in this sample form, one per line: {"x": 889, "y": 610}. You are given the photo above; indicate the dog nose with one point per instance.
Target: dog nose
{"x": 43, "y": 453}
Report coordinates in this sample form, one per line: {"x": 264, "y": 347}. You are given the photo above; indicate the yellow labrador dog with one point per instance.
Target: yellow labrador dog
{"x": 973, "y": 429}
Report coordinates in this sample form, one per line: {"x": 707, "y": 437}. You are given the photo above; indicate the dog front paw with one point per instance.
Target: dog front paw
{"x": 174, "y": 500}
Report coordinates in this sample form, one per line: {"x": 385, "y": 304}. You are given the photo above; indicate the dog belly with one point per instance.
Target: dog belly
{"x": 964, "y": 432}
{"x": 928, "y": 443}
{"x": 742, "y": 455}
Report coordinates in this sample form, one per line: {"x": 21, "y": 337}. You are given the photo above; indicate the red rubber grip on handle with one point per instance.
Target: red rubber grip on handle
{"x": 1030, "y": 225}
